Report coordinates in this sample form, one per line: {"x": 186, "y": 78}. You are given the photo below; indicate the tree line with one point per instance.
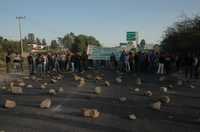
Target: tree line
{"x": 75, "y": 43}
{"x": 183, "y": 36}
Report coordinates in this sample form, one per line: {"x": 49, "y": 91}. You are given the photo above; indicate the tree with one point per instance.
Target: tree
{"x": 142, "y": 43}
{"x": 54, "y": 44}
{"x": 44, "y": 42}
{"x": 183, "y": 36}
{"x": 31, "y": 38}
{"x": 76, "y": 45}
{"x": 38, "y": 41}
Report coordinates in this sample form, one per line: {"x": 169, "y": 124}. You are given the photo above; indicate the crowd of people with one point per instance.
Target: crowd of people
{"x": 150, "y": 62}
{"x": 159, "y": 63}
{"x": 40, "y": 63}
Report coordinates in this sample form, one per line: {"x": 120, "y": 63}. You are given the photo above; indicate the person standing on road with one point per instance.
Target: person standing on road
{"x": 8, "y": 61}
{"x": 188, "y": 62}
{"x": 131, "y": 61}
{"x": 30, "y": 63}
{"x": 196, "y": 66}
{"x": 122, "y": 61}
{"x": 161, "y": 65}
{"x": 17, "y": 61}
{"x": 84, "y": 60}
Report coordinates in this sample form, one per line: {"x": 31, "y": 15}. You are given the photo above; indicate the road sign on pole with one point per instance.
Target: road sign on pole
{"x": 131, "y": 36}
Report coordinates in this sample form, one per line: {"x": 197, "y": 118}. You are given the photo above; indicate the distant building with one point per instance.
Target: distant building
{"x": 149, "y": 46}
{"x": 36, "y": 47}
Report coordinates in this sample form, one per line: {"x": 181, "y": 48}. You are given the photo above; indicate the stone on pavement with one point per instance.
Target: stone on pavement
{"x": 98, "y": 78}
{"x": 118, "y": 80}
{"x": 162, "y": 78}
{"x": 132, "y": 117}
{"x": 9, "y": 104}
{"x": 42, "y": 86}
{"x": 156, "y": 105}
{"x": 60, "y": 89}
{"x": 76, "y": 77}
{"x": 82, "y": 82}
{"x": 16, "y": 90}
{"x": 53, "y": 81}
{"x": 139, "y": 81}
{"x": 163, "y": 89}
{"x": 107, "y": 83}
{"x": 89, "y": 76}
{"x": 180, "y": 82}
{"x": 52, "y": 91}
{"x": 148, "y": 93}
{"x": 3, "y": 87}
{"x": 165, "y": 99}
{"x": 45, "y": 104}
{"x": 91, "y": 113}
{"x": 122, "y": 99}
{"x": 98, "y": 90}
{"x": 192, "y": 86}
{"x": 21, "y": 84}
{"x": 136, "y": 89}
{"x": 29, "y": 86}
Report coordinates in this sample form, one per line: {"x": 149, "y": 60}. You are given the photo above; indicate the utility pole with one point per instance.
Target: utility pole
{"x": 20, "y": 32}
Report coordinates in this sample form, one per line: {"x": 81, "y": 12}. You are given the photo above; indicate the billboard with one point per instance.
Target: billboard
{"x": 103, "y": 53}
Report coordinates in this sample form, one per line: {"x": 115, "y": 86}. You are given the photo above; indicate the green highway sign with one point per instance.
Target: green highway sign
{"x": 131, "y": 36}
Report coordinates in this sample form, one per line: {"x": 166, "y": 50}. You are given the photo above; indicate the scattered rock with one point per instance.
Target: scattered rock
{"x": 156, "y": 105}
{"x": 98, "y": 90}
{"x": 82, "y": 82}
{"x": 163, "y": 89}
{"x": 16, "y": 90}
{"x": 45, "y": 104}
{"x": 118, "y": 80}
{"x": 53, "y": 81}
{"x": 52, "y": 91}
{"x": 89, "y": 76}
{"x": 170, "y": 86}
{"x": 26, "y": 78}
{"x": 33, "y": 77}
{"x": 59, "y": 78}
{"x": 180, "y": 82}
{"x": 170, "y": 117}
{"x": 132, "y": 117}
{"x": 60, "y": 90}
{"x": 139, "y": 81}
{"x": 136, "y": 89}
{"x": 43, "y": 86}
{"x": 21, "y": 84}
{"x": 2, "y": 131}
{"x": 77, "y": 78}
{"x": 91, "y": 113}
{"x": 10, "y": 104}
{"x": 3, "y": 88}
{"x": 162, "y": 78}
{"x": 29, "y": 86}
{"x": 98, "y": 78}
{"x": 192, "y": 86}
{"x": 165, "y": 99}
{"x": 148, "y": 93}
{"x": 122, "y": 99}
{"x": 107, "y": 83}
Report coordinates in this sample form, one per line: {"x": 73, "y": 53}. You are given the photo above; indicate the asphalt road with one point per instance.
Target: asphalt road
{"x": 180, "y": 115}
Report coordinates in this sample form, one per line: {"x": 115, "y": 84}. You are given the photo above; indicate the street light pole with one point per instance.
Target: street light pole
{"x": 20, "y": 32}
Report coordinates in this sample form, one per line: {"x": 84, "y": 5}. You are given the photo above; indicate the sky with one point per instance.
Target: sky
{"x": 107, "y": 20}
